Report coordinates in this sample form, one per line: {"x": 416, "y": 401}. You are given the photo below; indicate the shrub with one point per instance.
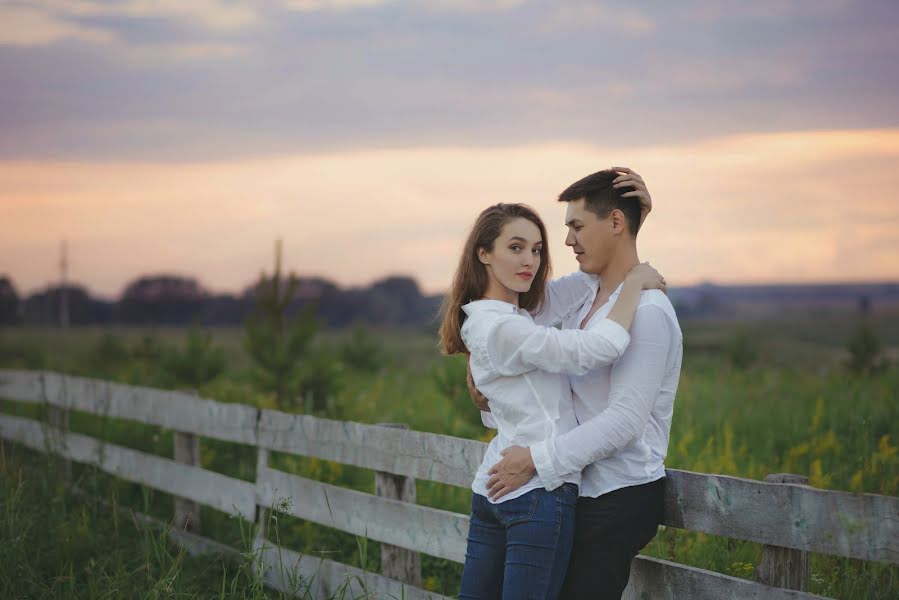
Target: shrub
{"x": 865, "y": 352}
{"x": 742, "y": 350}
{"x": 362, "y": 352}
{"x": 198, "y": 363}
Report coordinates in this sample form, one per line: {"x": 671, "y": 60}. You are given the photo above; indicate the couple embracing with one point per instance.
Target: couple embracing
{"x": 578, "y": 375}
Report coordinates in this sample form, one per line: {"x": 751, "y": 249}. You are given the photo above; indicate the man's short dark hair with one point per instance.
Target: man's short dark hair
{"x": 601, "y": 198}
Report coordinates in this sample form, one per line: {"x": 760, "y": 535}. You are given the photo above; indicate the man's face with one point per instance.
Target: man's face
{"x": 590, "y": 237}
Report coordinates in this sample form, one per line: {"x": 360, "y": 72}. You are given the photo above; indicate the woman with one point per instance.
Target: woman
{"x": 518, "y": 546}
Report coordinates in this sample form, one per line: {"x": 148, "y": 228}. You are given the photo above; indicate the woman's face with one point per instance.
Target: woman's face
{"x": 513, "y": 262}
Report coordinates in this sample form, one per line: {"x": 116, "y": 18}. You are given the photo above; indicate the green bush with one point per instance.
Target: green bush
{"x": 362, "y": 352}
{"x": 865, "y": 352}
{"x": 198, "y": 363}
{"x": 742, "y": 350}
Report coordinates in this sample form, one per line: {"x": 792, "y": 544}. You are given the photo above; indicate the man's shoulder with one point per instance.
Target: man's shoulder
{"x": 651, "y": 300}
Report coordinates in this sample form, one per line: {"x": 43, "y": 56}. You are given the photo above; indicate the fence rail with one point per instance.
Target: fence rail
{"x": 786, "y": 516}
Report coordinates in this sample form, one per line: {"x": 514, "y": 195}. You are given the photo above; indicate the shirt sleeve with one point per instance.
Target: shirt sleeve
{"x": 488, "y": 420}
{"x": 635, "y": 383}
{"x": 563, "y": 296}
{"x": 516, "y": 345}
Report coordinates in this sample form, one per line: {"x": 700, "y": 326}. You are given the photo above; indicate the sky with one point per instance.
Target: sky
{"x": 185, "y": 137}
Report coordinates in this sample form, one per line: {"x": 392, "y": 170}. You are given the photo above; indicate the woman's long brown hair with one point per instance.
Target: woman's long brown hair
{"x": 470, "y": 281}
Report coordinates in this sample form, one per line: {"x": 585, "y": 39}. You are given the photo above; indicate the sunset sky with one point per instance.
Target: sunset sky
{"x": 185, "y": 137}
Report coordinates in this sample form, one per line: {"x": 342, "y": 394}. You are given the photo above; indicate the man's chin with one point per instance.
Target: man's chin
{"x": 585, "y": 268}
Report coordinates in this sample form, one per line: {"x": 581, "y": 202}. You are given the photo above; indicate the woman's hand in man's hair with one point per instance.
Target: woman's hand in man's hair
{"x": 628, "y": 178}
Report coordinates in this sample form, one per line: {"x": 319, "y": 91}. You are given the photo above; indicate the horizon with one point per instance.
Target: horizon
{"x": 363, "y": 285}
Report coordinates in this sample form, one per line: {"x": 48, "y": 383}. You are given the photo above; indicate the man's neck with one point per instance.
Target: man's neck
{"x": 611, "y": 277}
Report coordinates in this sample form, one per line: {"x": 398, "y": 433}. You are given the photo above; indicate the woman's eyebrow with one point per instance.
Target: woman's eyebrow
{"x": 521, "y": 239}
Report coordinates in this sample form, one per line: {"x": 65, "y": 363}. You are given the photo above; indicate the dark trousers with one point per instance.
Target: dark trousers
{"x": 609, "y": 532}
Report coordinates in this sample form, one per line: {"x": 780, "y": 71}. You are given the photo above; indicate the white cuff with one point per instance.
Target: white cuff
{"x": 544, "y": 465}
{"x": 615, "y": 333}
{"x": 488, "y": 420}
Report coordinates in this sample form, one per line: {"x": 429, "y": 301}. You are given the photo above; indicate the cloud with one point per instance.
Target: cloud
{"x": 316, "y": 5}
{"x": 592, "y": 15}
{"x": 162, "y": 55}
{"x": 219, "y": 15}
{"x": 765, "y": 11}
{"x": 258, "y": 78}
{"x": 27, "y": 26}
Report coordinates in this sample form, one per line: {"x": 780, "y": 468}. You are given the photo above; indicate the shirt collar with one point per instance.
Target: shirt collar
{"x": 488, "y": 304}
{"x": 617, "y": 290}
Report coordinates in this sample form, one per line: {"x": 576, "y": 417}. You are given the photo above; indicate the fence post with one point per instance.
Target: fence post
{"x": 187, "y": 452}
{"x": 262, "y": 458}
{"x": 398, "y": 563}
{"x": 58, "y": 420}
{"x": 784, "y": 567}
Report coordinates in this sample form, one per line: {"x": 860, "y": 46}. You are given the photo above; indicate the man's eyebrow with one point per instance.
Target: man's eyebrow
{"x": 571, "y": 222}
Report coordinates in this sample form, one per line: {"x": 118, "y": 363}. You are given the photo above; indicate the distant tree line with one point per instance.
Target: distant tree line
{"x": 393, "y": 301}
{"x": 177, "y": 300}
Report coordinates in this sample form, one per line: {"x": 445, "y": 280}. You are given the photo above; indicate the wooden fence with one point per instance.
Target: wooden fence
{"x": 790, "y": 518}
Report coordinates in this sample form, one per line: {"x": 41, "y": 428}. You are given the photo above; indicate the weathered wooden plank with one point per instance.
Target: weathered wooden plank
{"x": 192, "y": 543}
{"x": 180, "y": 411}
{"x": 864, "y": 526}
{"x": 433, "y": 531}
{"x": 291, "y": 572}
{"x": 224, "y": 493}
{"x": 657, "y": 579}
{"x": 415, "y": 454}
{"x": 22, "y": 386}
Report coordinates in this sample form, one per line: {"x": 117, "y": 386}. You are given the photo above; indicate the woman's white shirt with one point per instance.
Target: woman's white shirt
{"x": 519, "y": 366}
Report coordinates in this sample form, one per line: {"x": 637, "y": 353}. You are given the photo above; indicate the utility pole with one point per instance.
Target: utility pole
{"x": 63, "y": 290}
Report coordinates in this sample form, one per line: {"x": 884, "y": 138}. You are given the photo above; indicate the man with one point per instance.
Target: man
{"x": 624, "y": 411}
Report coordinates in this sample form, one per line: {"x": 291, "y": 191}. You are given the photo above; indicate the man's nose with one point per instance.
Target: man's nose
{"x": 569, "y": 239}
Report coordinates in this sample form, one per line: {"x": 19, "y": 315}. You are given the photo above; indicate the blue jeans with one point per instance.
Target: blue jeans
{"x": 519, "y": 549}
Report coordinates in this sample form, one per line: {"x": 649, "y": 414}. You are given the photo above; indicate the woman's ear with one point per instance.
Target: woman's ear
{"x": 482, "y": 256}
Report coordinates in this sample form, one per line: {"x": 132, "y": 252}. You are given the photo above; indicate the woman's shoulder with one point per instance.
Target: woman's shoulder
{"x": 483, "y": 316}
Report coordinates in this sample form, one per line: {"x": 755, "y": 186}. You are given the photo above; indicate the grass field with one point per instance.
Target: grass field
{"x": 790, "y": 407}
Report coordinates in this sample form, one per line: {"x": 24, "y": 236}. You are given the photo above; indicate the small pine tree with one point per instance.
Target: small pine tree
{"x": 275, "y": 342}
{"x": 320, "y": 381}
{"x": 199, "y": 363}
{"x": 743, "y": 351}
{"x": 107, "y": 358}
{"x": 362, "y": 352}
{"x": 865, "y": 351}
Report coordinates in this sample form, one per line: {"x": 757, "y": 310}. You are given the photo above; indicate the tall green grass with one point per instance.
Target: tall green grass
{"x": 791, "y": 408}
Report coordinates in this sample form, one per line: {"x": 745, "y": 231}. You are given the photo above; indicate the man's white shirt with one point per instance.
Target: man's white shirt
{"x": 623, "y": 410}
{"x": 517, "y": 364}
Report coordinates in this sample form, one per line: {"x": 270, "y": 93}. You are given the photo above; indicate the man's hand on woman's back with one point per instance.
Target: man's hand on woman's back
{"x": 476, "y": 396}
